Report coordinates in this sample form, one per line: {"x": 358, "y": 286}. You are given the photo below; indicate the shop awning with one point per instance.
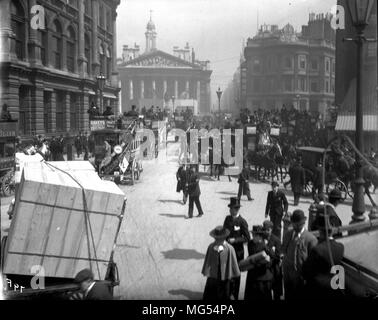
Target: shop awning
{"x": 110, "y": 96}
{"x": 347, "y": 122}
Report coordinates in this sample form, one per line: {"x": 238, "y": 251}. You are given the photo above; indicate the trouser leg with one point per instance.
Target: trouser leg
{"x": 277, "y": 221}
{"x": 191, "y": 204}
{"x": 235, "y": 287}
{"x": 198, "y": 205}
{"x": 240, "y": 190}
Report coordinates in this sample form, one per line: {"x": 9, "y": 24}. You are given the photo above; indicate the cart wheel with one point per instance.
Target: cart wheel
{"x": 8, "y": 185}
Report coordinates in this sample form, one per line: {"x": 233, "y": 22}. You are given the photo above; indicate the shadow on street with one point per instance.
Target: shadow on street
{"x": 169, "y": 215}
{"x": 183, "y": 254}
{"x": 171, "y": 201}
{"x": 191, "y": 295}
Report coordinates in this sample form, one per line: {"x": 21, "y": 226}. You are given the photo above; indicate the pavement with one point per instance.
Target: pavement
{"x": 159, "y": 252}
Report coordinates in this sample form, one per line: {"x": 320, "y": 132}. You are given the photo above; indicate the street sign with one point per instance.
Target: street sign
{"x": 8, "y": 129}
{"x": 102, "y": 124}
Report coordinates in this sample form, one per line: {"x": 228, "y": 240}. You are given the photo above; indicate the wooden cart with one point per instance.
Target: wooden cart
{"x": 64, "y": 220}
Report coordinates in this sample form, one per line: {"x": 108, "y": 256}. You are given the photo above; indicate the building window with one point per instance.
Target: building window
{"x": 44, "y": 45}
{"x": 73, "y": 112}
{"x": 288, "y": 62}
{"x": 71, "y": 50}
{"x": 24, "y": 110}
{"x": 314, "y": 87}
{"x": 102, "y": 16}
{"x": 314, "y": 64}
{"x": 288, "y": 84}
{"x": 57, "y": 45}
{"x": 327, "y": 66}
{"x": 302, "y": 62}
{"x": 327, "y": 89}
{"x": 87, "y": 52}
{"x": 108, "y": 20}
{"x": 60, "y": 109}
{"x": 47, "y": 111}
{"x": 302, "y": 84}
{"x": 88, "y": 7}
{"x": 18, "y": 28}
{"x": 256, "y": 65}
{"x": 333, "y": 86}
{"x": 333, "y": 67}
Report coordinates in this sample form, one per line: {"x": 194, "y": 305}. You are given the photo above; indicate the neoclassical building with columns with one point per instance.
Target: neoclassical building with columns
{"x": 49, "y": 75}
{"x": 161, "y": 79}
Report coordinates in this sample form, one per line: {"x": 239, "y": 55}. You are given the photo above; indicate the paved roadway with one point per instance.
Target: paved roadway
{"x": 159, "y": 252}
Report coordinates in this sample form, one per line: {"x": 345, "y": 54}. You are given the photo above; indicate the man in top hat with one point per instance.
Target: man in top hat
{"x": 317, "y": 267}
{"x": 296, "y": 246}
{"x": 92, "y": 290}
{"x": 297, "y": 179}
{"x": 239, "y": 234}
{"x": 274, "y": 245}
{"x": 194, "y": 192}
{"x": 220, "y": 266}
{"x": 276, "y": 206}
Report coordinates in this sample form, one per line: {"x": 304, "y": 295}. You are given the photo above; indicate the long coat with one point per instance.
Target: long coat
{"x": 276, "y": 204}
{"x": 193, "y": 185}
{"x": 244, "y": 181}
{"x": 238, "y": 228}
{"x": 181, "y": 176}
{"x": 297, "y": 178}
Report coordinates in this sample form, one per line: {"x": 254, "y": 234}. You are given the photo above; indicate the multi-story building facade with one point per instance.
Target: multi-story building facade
{"x": 154, "y": 77}
{"x": 346, "y": 72}
{"x": 49, "y": 73}
{"x": 286, "y": 67}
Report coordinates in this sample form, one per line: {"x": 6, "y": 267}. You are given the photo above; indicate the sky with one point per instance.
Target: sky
{"x": 215, "y": 29}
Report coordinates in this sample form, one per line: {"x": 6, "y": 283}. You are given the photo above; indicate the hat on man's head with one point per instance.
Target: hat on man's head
{"x": 335, "y": 194}
{"x": 258, "y": 229}
{"x": 84, "y": 275}
{"x": 275, "y": 184}
{"x": 219, "y": 233}
{"x": 267, "y": 224}
{"x": 234, "y": 203}
{"x": 298, "y": 216}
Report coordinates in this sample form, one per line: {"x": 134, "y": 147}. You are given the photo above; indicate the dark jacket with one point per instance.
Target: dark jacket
{"x": 297, "y": 178}
{"x": 238, "y": 228}
{"x": 100, "y": 291}
{"x": 193, "y": 185}
{"x": 181, "y": 176}
{"x": 317, "y": 269}
{"x": 261, "y": 272}
{"x": 276, "y": 204}
{"x": 318, "y": 177}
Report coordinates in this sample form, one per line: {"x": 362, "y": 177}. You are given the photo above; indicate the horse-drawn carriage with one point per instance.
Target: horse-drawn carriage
{"x": 116, "y": 151}
{"x": 8, "y": 134}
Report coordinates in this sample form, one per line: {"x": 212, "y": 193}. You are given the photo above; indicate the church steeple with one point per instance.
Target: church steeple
{"x": 150, "y": 35}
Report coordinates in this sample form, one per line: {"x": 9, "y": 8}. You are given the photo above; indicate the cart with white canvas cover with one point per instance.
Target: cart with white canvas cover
{"x": 64, "y": 221}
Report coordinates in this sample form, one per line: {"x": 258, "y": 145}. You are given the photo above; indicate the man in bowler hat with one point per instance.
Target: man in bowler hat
{"x": 296, "y": 247}
{"x": 276, "y": 206}
{"x": 92, "y": 290}
{"x": 239, "y": 234}
{"x": 317, "y": 267}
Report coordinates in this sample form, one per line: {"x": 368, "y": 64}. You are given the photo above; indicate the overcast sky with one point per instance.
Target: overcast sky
{"x": 214, "y": 28}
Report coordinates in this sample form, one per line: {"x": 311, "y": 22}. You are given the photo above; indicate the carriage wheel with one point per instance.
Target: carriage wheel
{"x": 8, "y": 186}
{"x": 338, "y": 184}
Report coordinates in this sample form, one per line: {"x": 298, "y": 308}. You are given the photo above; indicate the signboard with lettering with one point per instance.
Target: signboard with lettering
{"x": 251, "y": 130}
{"x": 8, "y": 129}
{"x": 102, "y": 124}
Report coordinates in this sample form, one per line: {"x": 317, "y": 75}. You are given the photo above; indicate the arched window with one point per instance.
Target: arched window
{"x": 56, "y": 45}
{"x": 18, "y": 27}
{"x": 43, "y": 40}
{"x": 87, "y": 52}
{"x": 71, "y": 50}
{"x": 108, "y": 63}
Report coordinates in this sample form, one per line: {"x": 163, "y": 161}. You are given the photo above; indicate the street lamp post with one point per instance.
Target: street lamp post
{"x": 101, "y": 84}
{"x": 360, "y": 11}
{"x": 219, "y": 94}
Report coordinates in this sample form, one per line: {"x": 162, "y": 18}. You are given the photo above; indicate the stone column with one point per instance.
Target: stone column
{"x": 95, "y": 62}
{"x": 153, "y": 89}
{"x": 187, "y": 88}
{"x": 142, "y": 89}
{"x": 34, "y": 46}
{"x": 6, "y": 34}
{"x": 67, "y": 112}
{"x": 115, "y": 73}
{"x": 131, "y": 90}
{"x": 199, "y": 94}
{"x": 176, "y": 89}
{"x": 84, "y": 108}
{"x": 165, "y": 86}
{"x": 82, "y": 61}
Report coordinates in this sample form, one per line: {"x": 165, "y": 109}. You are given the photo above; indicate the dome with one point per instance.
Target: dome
{"x": 151, "y": 25}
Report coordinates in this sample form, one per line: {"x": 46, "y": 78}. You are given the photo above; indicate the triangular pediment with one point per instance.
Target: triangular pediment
{"x": 159, "y": 59}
